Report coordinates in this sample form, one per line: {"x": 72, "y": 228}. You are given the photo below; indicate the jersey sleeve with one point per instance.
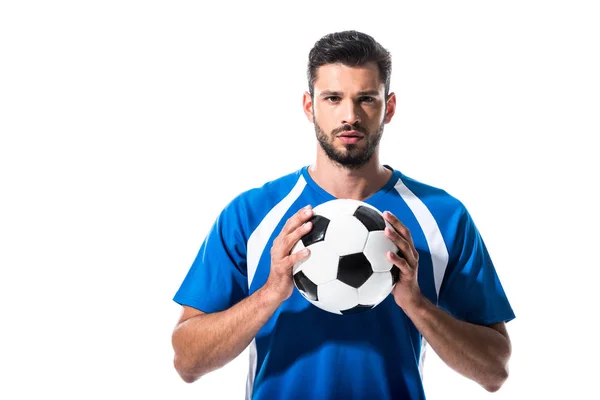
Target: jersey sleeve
{"x": 217, "y": 278}
{"x": 471, "y": 290}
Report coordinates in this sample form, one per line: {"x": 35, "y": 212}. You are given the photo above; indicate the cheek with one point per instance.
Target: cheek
{"x": 325, "y": 120}
{"x": 376, "y": 118}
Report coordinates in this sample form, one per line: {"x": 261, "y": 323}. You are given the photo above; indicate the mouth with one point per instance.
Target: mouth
{"x": 351, "y": 134}
{"x": 350, "y": 137}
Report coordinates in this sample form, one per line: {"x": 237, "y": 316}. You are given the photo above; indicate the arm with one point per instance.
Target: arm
{"x": 480, "y": 353}
{"x": 204, "y": 342}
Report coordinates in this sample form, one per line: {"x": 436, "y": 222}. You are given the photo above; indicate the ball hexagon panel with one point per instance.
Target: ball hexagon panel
{"x": 308, "y": 288}
{"x": 346, "y": 235}
{"x": 337, "y": 295}
{"x": 317, "y": 231}
{"x": 354, "y": 269}
{"x": 370, "y": 218}
{"x": 376, "y": 288}
{"x": 376, "y": 247}
{"x": 321, "y": 264}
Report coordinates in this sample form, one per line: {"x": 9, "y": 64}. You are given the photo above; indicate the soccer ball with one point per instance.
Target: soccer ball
{"x": 347, "y": 270}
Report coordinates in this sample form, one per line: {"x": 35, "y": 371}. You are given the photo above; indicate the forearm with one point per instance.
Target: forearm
{"x": 207, "y": 342}
{"x": 477, "y": 352}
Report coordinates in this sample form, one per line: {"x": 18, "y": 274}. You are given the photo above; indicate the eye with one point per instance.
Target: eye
{"x": 367, "y": 99}
{"x": 332, "y": 99}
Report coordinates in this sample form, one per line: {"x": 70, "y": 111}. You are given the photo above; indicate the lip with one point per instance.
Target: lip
{"x": 350, "y": 139}
{"x": 351, "y": 134}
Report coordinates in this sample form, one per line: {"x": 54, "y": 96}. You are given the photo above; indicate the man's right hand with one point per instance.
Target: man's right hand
{"x": 195, "y": 358}
{"x": 280, "y": 282}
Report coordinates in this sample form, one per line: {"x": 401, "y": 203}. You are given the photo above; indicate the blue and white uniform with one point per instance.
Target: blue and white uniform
{"x": 303, "y": 352}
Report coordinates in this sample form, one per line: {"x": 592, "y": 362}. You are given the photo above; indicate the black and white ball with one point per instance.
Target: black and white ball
{"x": 347, "y": 270}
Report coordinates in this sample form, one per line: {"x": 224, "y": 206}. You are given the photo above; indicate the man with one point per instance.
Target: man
{"x": 239, "y": 291}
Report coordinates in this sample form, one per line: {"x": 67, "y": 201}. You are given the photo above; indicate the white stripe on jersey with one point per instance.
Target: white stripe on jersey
{"x": 435, "y": 241}
{"x": 256, "y": 245}
{"x": 431, "y": 230}
{"x": 252, "y": 372}
{"x": 261, "y": 235}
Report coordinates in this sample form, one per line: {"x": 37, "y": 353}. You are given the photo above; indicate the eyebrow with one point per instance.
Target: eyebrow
{"x": 362, "y": 93}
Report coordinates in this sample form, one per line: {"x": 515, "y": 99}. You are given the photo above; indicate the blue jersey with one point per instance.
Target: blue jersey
{"x": 303, "y": 352}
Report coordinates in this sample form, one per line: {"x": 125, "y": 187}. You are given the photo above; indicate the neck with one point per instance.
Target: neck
{"x": 346, "y": 183}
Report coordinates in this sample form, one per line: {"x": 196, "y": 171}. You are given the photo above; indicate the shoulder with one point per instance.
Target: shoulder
{"x": 438, "y": 200}
{"x": 444, "y": 211}
{"x": 436, "y": 209}
{"x": 250, "y": 206}
{"x": 263, "y": 198}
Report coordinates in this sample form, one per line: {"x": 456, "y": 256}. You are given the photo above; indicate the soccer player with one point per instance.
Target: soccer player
{"x": 239, "y": 291}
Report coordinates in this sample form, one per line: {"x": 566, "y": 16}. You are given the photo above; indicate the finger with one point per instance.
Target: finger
{"x": 292, "y": 238}
{"x": 301, "y": 216}
{"x": 402, "y": 264}
{"x": 285, "y": 241}
{"x": 398, "y": 226}
{"x": 401, "y": 229}
{"x": 403, "y": 245}
{"x": 295, "y": 258}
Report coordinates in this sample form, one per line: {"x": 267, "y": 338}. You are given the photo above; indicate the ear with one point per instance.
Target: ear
{"x": 390, "y": 107}
{"x": 307, "y": 106}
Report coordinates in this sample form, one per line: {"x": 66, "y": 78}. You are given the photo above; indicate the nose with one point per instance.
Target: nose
{"x": 350, "y": 114}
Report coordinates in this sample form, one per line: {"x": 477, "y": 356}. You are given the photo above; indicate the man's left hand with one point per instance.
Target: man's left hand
{"x": 406, "y": 292}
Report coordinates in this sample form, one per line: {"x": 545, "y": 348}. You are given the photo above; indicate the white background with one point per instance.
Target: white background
{"x": 127, "y": 125}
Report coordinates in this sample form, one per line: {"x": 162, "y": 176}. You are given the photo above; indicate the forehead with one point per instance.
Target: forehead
{"x": 345, "y": 78}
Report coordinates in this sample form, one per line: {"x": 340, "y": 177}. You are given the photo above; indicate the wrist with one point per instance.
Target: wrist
{"x": 270, "y": 298}
{"x": 415, "y": 305}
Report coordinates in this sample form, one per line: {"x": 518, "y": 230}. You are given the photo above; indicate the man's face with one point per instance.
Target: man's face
{"x": 349, "y": 111}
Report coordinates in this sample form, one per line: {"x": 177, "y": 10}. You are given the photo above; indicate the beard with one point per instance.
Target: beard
{"x": 351, "y": 156}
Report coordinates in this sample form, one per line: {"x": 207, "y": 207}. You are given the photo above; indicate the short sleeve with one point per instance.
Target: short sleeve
{"x": 471, "y": 290}
{"x": 217, "y": 278}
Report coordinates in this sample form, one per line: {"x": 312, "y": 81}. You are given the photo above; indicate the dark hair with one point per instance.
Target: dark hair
{"x": 350, "y": 48}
